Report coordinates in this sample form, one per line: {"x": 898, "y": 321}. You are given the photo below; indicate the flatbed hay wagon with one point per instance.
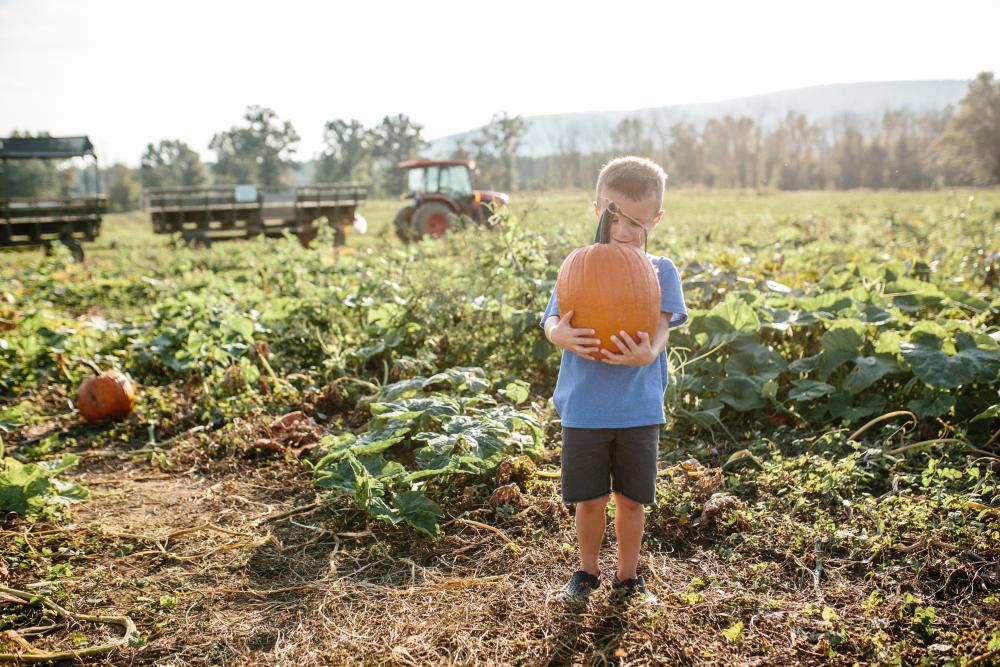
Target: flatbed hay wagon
{"x": 201, "y": 215}
{"x": 42, "y": 220}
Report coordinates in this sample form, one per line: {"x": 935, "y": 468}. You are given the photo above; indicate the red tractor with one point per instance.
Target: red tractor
{"x": 442, "y": 196}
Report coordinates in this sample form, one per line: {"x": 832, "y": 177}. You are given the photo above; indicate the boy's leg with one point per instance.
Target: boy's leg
{"x": 586, "y": 483}
{"x": 633, "y": 471}
{"x": 630, "y": 520}
{"x": 591, "y": 517}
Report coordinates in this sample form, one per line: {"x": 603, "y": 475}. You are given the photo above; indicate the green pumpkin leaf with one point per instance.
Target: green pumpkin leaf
{"x": 401, "y": 389}
{"x": 728, "y": 321}
{"x": 437, "y": 453}
{"x": 517, "y": 391}
{"x": 867, "y": 371}
{"x": 742, "y": 393}
{"x": 372, "y": 442}
{"x": 925, "y": 357}
{"x": 991, "y": 412}
{"x": 242, "y": 326}
{"x": 844, "y": 337}
{"x": 420, "y": 512}
{"x": 27, "y": 488}
{"x": 935, "y": 405}
{"x": 809, "y": 390}
{"x": 805, "y": 364}
{"x": 756, "y": 361}
{"x": 469, "y": 379}
{"x": 381, "y": 510}
{"x": 844, "y": 406}
{"x": 422, "y": 412}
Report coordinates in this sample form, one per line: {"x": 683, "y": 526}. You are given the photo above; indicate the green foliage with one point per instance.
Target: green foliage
{"x": 32, "y": 489}
{"x": 171, "y": 162}
{"x": 792, "y": 322}
{"x": 970, "y": 142}
{"x": 835, "y": 349}
{"x": 258, "y": 153}
{"x": 348, "y": 147}
{"x": 429, "y": 435}
{"x": 395, "y": 139}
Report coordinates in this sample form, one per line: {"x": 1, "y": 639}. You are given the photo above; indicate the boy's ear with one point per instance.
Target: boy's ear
{"x": 656, "y": 220}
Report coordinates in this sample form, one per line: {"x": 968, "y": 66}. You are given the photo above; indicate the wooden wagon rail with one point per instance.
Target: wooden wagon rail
{"x": 226, "y": 212}
{"x": 31, "y": 221}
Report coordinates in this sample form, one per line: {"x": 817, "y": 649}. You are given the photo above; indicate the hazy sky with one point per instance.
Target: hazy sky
{"x": 130, "y": 72}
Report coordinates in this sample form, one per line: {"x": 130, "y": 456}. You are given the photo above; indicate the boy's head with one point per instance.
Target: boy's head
{"x": 636, "y": 185}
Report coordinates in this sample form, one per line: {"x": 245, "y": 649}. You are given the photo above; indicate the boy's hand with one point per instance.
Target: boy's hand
{"x": 566, "y": 336}
{"x": 632, "y": 353}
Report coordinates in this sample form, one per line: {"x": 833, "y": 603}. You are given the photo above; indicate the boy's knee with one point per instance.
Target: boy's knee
{"x": 623, "y": 503}
{"x": 592, "y": 505}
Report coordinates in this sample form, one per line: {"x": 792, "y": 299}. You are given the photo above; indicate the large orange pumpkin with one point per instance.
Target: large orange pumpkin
{"x": 104, "y": 396}
{"x": 610, "y": 287}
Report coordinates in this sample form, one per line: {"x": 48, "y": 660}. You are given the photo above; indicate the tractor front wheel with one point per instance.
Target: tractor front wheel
{"x": 433, "y": 219}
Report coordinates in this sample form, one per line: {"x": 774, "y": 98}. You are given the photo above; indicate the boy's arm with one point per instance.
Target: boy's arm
{"x": 643, "y": 351}
{"x": 563, "y": 335}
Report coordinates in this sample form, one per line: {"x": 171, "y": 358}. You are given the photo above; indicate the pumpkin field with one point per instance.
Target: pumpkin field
{"x": 348, "y": 456}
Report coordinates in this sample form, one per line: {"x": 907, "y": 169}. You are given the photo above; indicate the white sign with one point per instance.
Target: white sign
{"x": 245, "y": 193}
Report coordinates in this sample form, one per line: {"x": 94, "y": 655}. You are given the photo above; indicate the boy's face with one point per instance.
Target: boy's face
{"x": 635, "y": 220}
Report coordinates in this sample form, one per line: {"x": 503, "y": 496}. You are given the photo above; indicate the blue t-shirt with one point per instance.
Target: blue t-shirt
{"x": 593, "y": 394}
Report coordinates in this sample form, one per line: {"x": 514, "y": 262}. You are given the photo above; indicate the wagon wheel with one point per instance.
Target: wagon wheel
{"x": 433, "y": 219}
{"x": 197, "y": 239}
{"x": 74, "y": 248}
{"x": 484, "y": 213}
{"x": 403, "y": 224}
{"x": 307, "y": 235}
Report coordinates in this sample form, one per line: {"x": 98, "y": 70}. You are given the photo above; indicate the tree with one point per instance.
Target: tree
{"x": 970, "y": 143}
{"x": 629, "y": 138}
{"x": 348, "y": 146}
{"x": 123, "y": 189}
{"x": 171, "y": 162}
{"x": 395, "y": 139}
{"x": 686, "y": 154}
{"x": 793, "y": 153}
{"x": 258, "y": 153}
{"x": 848, "y": 156}
{"x": 497, "y": 147}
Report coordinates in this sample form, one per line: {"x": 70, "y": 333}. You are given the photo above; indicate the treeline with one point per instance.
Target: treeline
{"x": 904, "y": 151}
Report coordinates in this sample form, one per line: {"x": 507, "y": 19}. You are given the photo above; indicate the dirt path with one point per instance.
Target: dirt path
{"x": 214, "y": 571}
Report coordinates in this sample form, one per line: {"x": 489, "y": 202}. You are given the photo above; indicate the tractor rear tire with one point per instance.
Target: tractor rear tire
{"x": 433, "y": 219}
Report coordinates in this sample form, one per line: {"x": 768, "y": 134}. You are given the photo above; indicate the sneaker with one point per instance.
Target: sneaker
{"x": 579, "y": 587}
{"x": 632, "y": 589}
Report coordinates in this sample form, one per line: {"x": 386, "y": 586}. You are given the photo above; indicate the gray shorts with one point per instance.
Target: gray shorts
{"x": 596, "y": 461}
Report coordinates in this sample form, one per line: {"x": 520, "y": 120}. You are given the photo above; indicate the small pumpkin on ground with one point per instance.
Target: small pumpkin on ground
{"x": 106, "y": 395}
{"x": 610, "y": 287}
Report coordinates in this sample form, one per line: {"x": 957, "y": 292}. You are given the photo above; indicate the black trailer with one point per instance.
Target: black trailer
{"x": 31, "y": 219}
{"x": 200, "y": 215}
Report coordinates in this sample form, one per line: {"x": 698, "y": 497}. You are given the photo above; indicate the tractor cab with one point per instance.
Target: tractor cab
{"x": 442, "y": 194}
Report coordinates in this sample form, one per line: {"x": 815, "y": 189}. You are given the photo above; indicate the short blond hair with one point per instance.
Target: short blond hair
{"x": 637, "y": 178}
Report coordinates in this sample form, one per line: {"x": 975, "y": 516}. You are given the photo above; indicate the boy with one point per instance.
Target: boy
{"x": 612, "y": 409}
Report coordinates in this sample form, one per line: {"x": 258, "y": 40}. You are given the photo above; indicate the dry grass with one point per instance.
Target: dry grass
{"x": 255, "y": 582}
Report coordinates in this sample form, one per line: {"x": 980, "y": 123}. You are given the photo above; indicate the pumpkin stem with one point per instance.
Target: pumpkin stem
{"x": 91, "y": 365}
{"x": 604, "y": 225}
